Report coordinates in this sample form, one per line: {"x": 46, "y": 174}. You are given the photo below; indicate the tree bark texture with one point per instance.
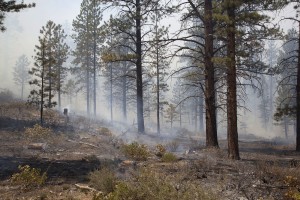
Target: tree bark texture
{"x": 139, "y": 77}
{"x": 298, "y": 97}
{"x": 232, "y": 132}
{"x": 211, "y": 123}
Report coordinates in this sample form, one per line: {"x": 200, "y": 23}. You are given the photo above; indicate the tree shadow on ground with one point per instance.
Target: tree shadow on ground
{"x": 11, "y": 124}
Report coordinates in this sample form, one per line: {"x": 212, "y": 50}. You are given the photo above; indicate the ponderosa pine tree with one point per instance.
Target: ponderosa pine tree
{"x": 120, "y": 64}
{"x": 159, "y": 62}
{"x": 20, "y": 73}
{"x": 42, "y": 71}
{"x": 61, "y": 51}
{"x": 87, "y": 52}
{"x": 244, "y": 34}
{"x": 137, "y": 13}
{"x": 202, "y": 13}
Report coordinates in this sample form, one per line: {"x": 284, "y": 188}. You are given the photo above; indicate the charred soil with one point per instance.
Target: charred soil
{"x": 77, "y": 147}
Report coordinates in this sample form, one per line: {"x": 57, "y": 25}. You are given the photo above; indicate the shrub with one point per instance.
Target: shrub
{"x": 169, "y": 157}
{"x": 103, "y": 180}
{"x": 136, "y": 151}
{"x": 160, "y": 150}
{"x": 29, "y": 177}
{"x": 149, "y": 185}
{"x": 105, "y": 131}
{"x": 173, "y": 145}
{"x": 37, "y": 132}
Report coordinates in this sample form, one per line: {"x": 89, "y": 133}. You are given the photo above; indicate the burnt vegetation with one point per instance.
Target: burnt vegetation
{"x": 153, "y": 137}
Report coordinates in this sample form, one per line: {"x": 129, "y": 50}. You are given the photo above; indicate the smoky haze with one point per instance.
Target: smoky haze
{"x": 21, "y": 37}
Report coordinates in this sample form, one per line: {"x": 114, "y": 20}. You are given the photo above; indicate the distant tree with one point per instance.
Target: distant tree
{"x": 287, "y": 69}
{"x": 11, "y": 6}
{"x": 20, "y": 73}
{"x": 61, "y": 51}
{"x": 159, "y": 63}
{"x": 70, "y": 89}
{"x": 178, "y": 98}
{"x": 6, "y": 96}
{"x": 119, "y": 70}
{"x": 86, "y": 54}
{"x": 272, "y": 57}
{"x": 171, "y": 114}
{"x": 264, "y": 105}
{"x": 137, "y": 14}
{"x": 43, "y": 72}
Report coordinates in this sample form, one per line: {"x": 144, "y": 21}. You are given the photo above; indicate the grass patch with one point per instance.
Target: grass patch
{"x": 136, "y": 151}
{"x": 103, "y": 180}
{"x": 149, "y": 185}
{"x": 168, "y": 157}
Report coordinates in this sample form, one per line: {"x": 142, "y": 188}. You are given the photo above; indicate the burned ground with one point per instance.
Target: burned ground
{"x": 267, "y": 170}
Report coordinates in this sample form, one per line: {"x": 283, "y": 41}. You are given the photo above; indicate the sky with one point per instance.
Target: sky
{"x": 23, "y": 30}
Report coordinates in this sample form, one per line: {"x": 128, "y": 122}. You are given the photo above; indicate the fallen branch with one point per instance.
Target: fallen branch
{"x": 92, "y": 145}
{"x": 37, "y": 146}
{"x": 85, "y": 187}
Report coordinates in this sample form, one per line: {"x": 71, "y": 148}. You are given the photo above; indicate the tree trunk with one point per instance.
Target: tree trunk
{"x": 94, "y": 58}
{"x": 87, "y": 91}
{"x": 124, "y": 91}
{"x": 87, "y": 74}
{"x": 111, "y": 93}
{"x": 196, "y": 113}
{"x": 211, "y": 124}
{"x": 298, "y": 97}
{"x": 232, "y": 133}
{"x": 286, "y": 126}
{"x": 42, "y": 86}
{"x": 139, "y": 77}
{"x": 201, "y": 122}
{"x": 157, "y": 92}
{"x": 59, "y": 83}
{"x": 180, "y": 115}
{"x": 50, "y": 85}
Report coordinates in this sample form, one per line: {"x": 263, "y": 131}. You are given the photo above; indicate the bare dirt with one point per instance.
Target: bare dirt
{"x": 80, "y": 146}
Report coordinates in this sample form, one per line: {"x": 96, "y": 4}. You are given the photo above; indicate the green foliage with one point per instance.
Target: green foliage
{"x": 149, "y": 185}
{"x": 136, "y": 151}
{"x": 168, "y": 157}
{"x": 103, "y": 180}
{"x": 29, "y": 177}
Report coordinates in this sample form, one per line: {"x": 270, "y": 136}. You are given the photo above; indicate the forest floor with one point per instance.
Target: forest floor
{"x": 79, "y": 147}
